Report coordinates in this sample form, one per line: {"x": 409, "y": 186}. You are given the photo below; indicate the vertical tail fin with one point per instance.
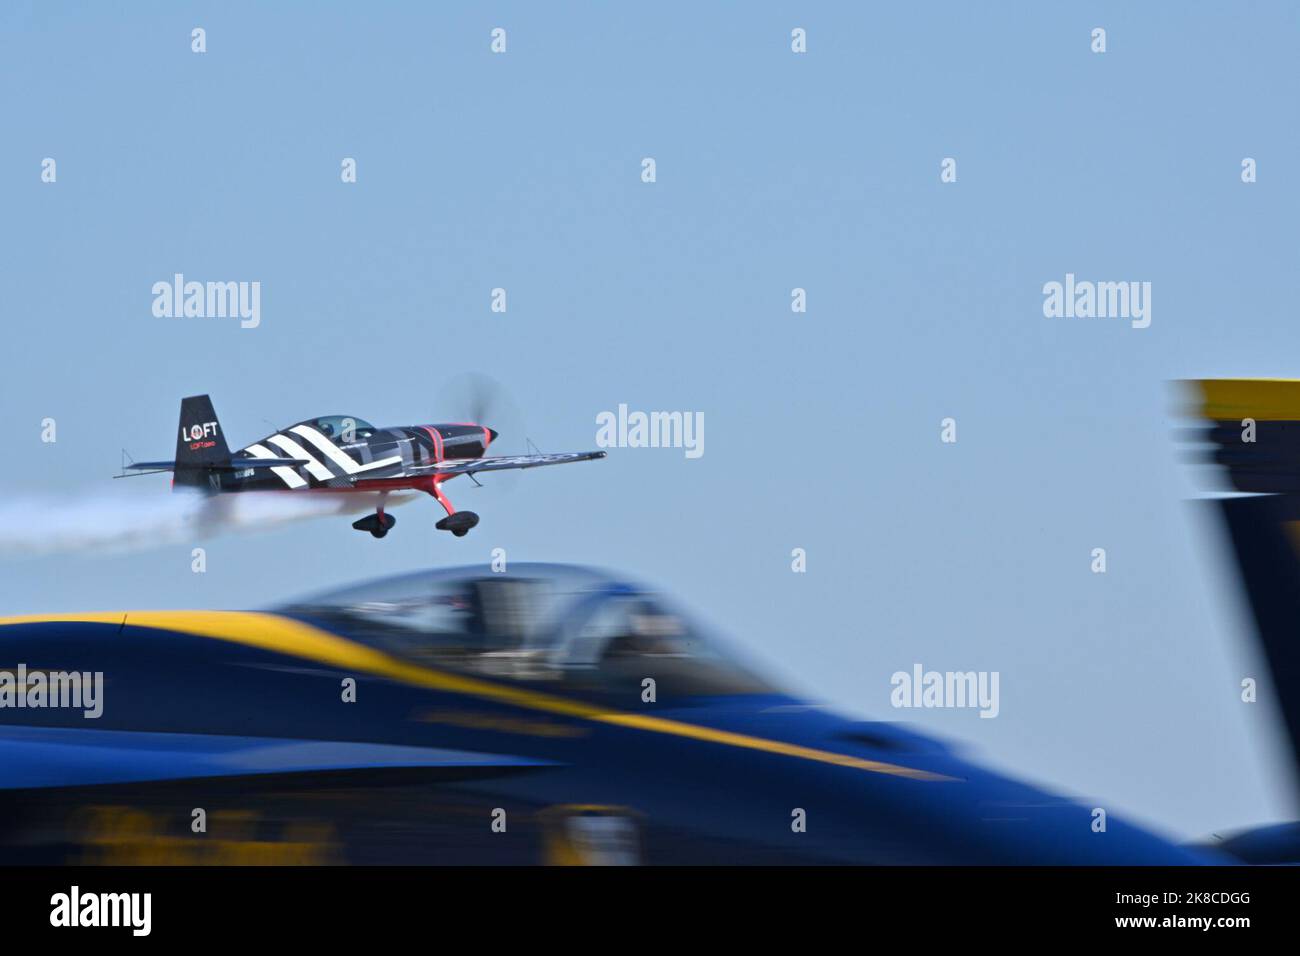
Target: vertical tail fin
{"x": 200, "y": 445}
{"x": 1255, "y": 435}
{"x": 1265, "y": 532}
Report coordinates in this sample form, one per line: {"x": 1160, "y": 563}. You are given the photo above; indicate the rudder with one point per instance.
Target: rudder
{"x": 200, "y": 445}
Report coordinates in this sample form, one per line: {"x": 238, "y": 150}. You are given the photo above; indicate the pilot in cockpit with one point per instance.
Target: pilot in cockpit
{"x": 648, "y": 632}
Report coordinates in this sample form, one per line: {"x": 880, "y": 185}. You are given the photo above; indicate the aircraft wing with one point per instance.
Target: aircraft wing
{"x": 59, "y": 757}
{"x": 468, "y": 466}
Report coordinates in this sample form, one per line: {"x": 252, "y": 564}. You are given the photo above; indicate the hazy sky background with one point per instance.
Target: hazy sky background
{"x": 775, "y": 170}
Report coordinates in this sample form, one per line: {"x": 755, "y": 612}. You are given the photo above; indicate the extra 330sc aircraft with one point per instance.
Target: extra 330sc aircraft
{"x": 341, "y": 453}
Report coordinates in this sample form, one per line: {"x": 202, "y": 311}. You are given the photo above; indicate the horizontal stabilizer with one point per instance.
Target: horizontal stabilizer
{"x": 231, "y": 465}
{"x": 266, "y": 462}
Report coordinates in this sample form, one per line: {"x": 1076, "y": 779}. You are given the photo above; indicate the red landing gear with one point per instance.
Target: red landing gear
{"x": 457, "y": 522}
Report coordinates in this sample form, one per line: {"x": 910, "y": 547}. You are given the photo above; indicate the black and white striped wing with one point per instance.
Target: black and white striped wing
{"x": 469, "y": 466}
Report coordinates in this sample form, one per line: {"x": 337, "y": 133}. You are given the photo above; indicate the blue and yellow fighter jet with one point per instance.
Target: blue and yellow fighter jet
{"x": 545, "y": 714}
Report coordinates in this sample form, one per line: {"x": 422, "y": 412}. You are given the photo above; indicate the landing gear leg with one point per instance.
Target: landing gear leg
{"x": 378, "y": 524}
{"x": 457, "y": 522}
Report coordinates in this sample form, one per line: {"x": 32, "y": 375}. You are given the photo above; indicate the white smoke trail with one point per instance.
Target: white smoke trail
{"x": 37, "y": 525}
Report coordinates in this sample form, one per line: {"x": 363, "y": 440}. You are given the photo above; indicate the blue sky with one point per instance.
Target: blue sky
{"x": 774, "y": 171}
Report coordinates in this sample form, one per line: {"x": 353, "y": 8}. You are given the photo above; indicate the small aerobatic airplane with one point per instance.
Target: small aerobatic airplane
{"x": 341, "y": 453}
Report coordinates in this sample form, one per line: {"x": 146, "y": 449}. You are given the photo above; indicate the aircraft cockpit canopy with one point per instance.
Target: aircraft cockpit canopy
{"x": 340, "y": 427}
{"x": 535, "y": 622}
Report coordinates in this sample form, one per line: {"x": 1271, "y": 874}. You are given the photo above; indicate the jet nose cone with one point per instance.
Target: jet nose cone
{"x": 492, "y": 435}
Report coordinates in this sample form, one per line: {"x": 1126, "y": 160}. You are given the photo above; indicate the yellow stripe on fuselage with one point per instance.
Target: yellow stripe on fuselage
{"x": 1263, "y": 399}
{"x": 284, "y": 635}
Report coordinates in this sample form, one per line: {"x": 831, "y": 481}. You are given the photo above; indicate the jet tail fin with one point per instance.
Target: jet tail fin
{"x": 200, "y": 446}
{"x": 1265, "y": 533}
{"x": 1254, "y": 434}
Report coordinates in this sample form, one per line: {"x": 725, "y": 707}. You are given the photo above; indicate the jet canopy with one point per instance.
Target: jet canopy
{"x": 537, "y": 622}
